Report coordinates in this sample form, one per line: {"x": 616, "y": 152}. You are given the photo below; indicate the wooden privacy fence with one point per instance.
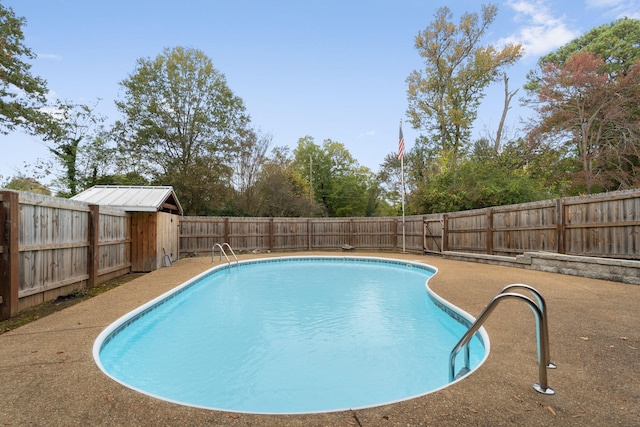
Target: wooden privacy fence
{"x": 51, "y": 246}
{"x": 199, "y": 234}
{"x": 603, "y": 225}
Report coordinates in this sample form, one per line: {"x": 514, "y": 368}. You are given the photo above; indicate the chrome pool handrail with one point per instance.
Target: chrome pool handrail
{"x": 222, "y": 252}
{"x": 542, "y": 339}
{"x": 545, "y": 326}
{"x": 231, "y": 250}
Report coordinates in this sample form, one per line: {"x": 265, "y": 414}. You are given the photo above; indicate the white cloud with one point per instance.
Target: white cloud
{"x": 368, "y": 133}
{"x": 616, "y": 8}
{"x": 51, "y": 56}
{"x": 541, "y": 32}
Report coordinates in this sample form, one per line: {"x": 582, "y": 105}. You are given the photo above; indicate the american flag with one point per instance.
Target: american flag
{"x": 401, "y": 144}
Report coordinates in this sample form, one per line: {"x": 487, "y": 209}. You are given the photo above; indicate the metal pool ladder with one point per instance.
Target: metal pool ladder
{"x": 542, "y": 334}
{"x": 222, "y": 252}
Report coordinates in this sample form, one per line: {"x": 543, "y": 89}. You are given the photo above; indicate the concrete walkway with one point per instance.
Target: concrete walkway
{"x": 48, "y": 376}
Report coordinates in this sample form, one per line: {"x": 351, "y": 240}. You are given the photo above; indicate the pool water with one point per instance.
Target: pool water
{"x": 289, "y": 335}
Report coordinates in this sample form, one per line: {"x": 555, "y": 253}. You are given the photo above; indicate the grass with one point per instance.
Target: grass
{"x": 39, "y": 311}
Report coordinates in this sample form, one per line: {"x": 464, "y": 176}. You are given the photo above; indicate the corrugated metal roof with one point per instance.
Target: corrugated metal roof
{"x": 132, "y": 198}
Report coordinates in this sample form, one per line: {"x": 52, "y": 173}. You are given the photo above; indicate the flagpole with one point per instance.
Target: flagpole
{"x": 401, "y": 155}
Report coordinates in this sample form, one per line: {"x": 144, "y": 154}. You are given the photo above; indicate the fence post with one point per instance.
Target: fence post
{"x": 94, "y": 245}
{"x": 489, "y": 231}
{"x": 351, "y": 234}
{"x": 10, "y": 262}
{"x": 395, "y": 234}
{"x": 560, "y": 224}
{"x": 226, "y": 230}
{"x": 309, "y": 234}
{"x": 272, "y": 239}
{"x": 445, "y": 232}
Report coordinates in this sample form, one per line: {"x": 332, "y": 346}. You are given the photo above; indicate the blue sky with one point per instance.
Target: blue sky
{"x": 331, "y": 69}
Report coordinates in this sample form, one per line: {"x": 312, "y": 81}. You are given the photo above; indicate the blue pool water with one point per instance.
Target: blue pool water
{"x": 290, "y": 335}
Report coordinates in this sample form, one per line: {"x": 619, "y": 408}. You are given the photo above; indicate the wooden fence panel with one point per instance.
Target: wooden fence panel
{"x": 290, "y": 233}
{"x": 524, "y": 228}
{"x": 373, "y": 233}
{"x": 412, "y": 238}
{"x": 198, "y": 234}
{"x": 53, "y": 242}
{"x": 603, "y": 225}
{"x": 114, "y": 252}
{"x": 249, "y": 233}
{"x": 467, "y": 231}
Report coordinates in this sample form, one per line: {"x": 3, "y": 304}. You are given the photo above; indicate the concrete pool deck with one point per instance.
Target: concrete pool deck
{"x": 48, "y": 376}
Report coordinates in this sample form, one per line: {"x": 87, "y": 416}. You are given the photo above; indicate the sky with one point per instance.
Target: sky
{"x": 329, "y": 69}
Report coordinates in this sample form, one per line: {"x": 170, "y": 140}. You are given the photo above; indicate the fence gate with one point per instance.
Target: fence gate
{"x": 433, "y": 235}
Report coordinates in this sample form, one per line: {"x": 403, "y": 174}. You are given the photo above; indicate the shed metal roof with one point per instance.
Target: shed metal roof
{"x": 133, "y": 198}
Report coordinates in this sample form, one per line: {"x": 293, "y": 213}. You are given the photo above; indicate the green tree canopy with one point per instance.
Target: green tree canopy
{"x": 617, "y": 44}
{"x": 281, "y": 190}
{"x": 181, "y": 124}
{"x": 76, "y": 137}
{"x": 338, "y": 183}
{"x": 22, "y": 95}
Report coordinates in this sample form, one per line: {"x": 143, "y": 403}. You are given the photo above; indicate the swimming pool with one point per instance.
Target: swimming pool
{"x": 291, "y": 335}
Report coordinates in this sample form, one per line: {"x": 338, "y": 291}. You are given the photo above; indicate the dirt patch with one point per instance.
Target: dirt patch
{"x": 42, "y": 310}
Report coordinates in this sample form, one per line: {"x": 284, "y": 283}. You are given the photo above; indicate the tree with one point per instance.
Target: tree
{"x": 181, "y": 125}
{"x": 22, "y": 95}
{"x": 508, "y": 96}
{"x": 586, "y": 94}
{"x": 582, "y": 106}
{"x": 444, "y": 97}
{"x": 30, "y": 185}
{"x": 247, "y": 164}
{"x": 281, "y": 191}
{"x": 481, "y": 179}
{"x": 571, "y": 104}
{"x": 337, "y": 181}
{"x": 78, "y": 125}
{"x": 615, "y": 43}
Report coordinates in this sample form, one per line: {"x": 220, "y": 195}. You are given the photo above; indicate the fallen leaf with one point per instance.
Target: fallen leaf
{"x": 551, "y": 410}
{"x": 473, "y": 410}
{"x": 585, "y": 338}
{"x": 518, "y": 398}
{"x": 385, "y": 417}
{"x": 577, "y": 416}
{"x": 623, "y": 338}
{"x": 351, "y": 423}
{"x": 60, "y": 352}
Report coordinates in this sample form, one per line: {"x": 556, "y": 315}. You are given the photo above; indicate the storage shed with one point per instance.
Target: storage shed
{"x": 155, "y": 221}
